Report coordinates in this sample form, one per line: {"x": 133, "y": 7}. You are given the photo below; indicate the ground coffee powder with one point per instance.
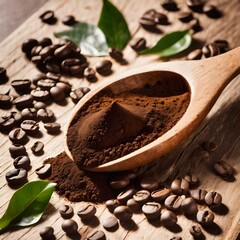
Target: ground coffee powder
{"x": 110, "y": 126}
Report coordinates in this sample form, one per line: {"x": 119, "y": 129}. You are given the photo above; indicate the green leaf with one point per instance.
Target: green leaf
{"x": 171, "y": 44}
{"x": 27, "y": 204}
{"x": 114, "y": 26}
{"x": 88, "y": 37}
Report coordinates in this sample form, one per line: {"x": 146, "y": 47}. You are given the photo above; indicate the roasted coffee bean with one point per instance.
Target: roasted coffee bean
{"x": 40, "y": 94}
{"x": 39, "y": 105}
{"x": 168, "y": 218}
{"x": 57, "y": 94}
{"x": 189, "y": 206}
{"x": 45, "y": 42}
{"x": 5, "y": 101}
{"x": 224, "y": 169}
{"x": 116, "y": 54}
{"x": 169, "y": 5}
{"x": 46, "y": 52}
{"x": 96, "y": 235}
{"x": 86, "y": 211}
{"x": 69, "y": 20}
{"x": 15, "y": 115}
{"x": 48, "y": 17}
{"x": 195, "y": 25}
{"x": 47, "y": 233}
{"x": 74, "y": 66}
{"x": 22, "y": 162}
{"x": 191, "y": 178}
{"x": 180, "y": 186}
{"x": 133, "y": 205}
{"x": 24, "y": 101}
{"x": 205, "y": 217}
{"x": 151, "y": 210}
{"x": 69, "y": 226}
{"x": 21, "y": 85}
{"x": 125, "y": 195}
{"x": 195, "y": 55}
{"x": 45, "y": 114}
{"x": 37, "y": 60}
{"x": 65, "y": 86}
{"x": 17, "y": 150}
{"x": 52, "y": 127}
{"x": 37, "y": 77}
{"x": 37, "y": 147}
{"x": 195, "y": 5}
{"x": 64, "y": 52}
{"x": 111, "y": 204}
{"x": 30, "y": 126}
{"x": 119, "y": 183}
{"x": 149, "y": 183}
{"x": 36, "y": 50}
{"x": 44, "y": 171}
{"x": 160, "y": 195}
{"x": 138, "y": 44}
{"x": 16, "y": 177}
{"x": 160, "y": 18}
{"x": 66, "y": 211}
{"x": 28, "y": 45}
{"x": 53, "y": 67}
{"x": 185, "y": 17}
{"x": 110, "y": 223}
{"x": 142, "y": 196}
{"x": 210, "y": 50}
{"x": 6, "y": 124}
{"x": 199, "y": 195}
{"x": 104, "y": 67}
{"x": 213, "y": 199}
{"x": 78, "y": 93}
{"x": 173, "y": 202}
{"x": 18, "y": 136}
{"x": 195, "y": 231}
{"x": 29, "y": 113}
{"x": 3, "y": 75}
{"x": 53, "y": 76}
{"x": 223, "y": 45}
{"x": 147, "y": 21}
{"x": 123, "y": 213}
{"x": 211, "y": 11}
{"x": 90, "y": 74}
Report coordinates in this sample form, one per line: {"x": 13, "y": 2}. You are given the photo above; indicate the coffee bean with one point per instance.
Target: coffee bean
{"x": 125, "y": 195}
{"x": 96, "y": 235}
{"x": 110, "y": 223}
{"x": 66, "y": 211}
{"x": 191, "y": 178}
{"x": 22, "y": 162}
{"x": 74, "y": 66}
{"x": 211, "y": 11}
{"x": 224, "y": 170}
{"x": 138, "y": 44}
{"x": 3, "y": 75}
{"x": 65, "y": 86}
{"x": 69, "y": 226}
{"x": 160, "y": 18}
{"x": 30, "y": 126}
{"x": 16, "y": 177}
{"x": 36, "y": 50}
{"x": 39, "y": 105}
{"x": 147, "y": 21}
{"x": 18, "y": 136}
{"x": 176, "y": 238}
{"x": 199, "y": 195}
{"x": 29, "y": 113}
{"x": 90, "y": 74}
{"x": 195, "y": 5}
{"x": 213, "y": 199}
{"x": 6, "y": 124}
{"x": 78, "y": 93}
{"x": 28, "y": 45}
{"x": 195, "y": 55}
{"x": 210, "y": 50}
{"x": 119, "y": 183}
{"x": 180, "y": 186}
{"x": 205, "y": 217}
{"x": 160, "y": 195}
{"x": 52, "y": 67}
{"x": 45, "y": 114}
{"x": 37, "y": 77}
{"x": 185, "y": 17}
{"x": 48, "y": 17}
{"x": 53, "y": 76}
{"x": 45, "y": 42}
{"x": 142, "y": 196}
{"x": 69, "y": 20}
{"x": 133, "y": 205}
{"x": 15, "y": 115}
{"x": 17, "y": 150}
{"x": 52, "y": 127}
{"x": 44, "y": 171}
{"x": 87, "y": 211}
{"x": 123, "y": 213}
{"x": 24, "y": 101}
{"x": 46, "y": 52}
{"x": 116, "y": 54}
{"x": 37, "y": 148}
{"x": 47, "y": 233}
{"x": 21, "y": 85}
{"x": 104, "y": 67}
{"x": 5, "y": 101}
{"x": 223, "y": 45}
{"x": 169, "y": 5}
{"x": 195, "y": 25}
{"x": 37, "y": 60}
{"x": 57, "y": 94}
{"x": 151, "y": 210}
{"x": 111, "y": 204}
{"x": 173, "y": 202}
{"x": 189, "y": 206}
{"x": 195, "y": 231}
{"x": 149, "y": 183}
{"x": 40, "y": 94}
{"x": 168, "y": 218}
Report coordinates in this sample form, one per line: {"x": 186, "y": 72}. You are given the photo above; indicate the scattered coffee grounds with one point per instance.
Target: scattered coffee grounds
{"x": 78, "y": 185}
{"x": 110, "y": 126}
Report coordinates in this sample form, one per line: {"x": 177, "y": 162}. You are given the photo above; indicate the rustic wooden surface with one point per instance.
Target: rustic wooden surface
{"x": 220, "y": 126}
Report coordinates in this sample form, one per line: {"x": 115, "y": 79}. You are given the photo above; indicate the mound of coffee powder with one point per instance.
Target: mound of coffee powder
{"x": 110, "y": 126}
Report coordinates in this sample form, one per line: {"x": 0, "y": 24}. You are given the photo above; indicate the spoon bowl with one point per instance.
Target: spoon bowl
{"x": 203, "y": 79}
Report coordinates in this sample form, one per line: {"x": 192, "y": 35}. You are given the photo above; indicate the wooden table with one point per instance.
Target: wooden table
{"x": 221, "y": 125}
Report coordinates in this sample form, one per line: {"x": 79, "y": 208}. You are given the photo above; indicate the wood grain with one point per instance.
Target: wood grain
{"x": 221, "y": 125}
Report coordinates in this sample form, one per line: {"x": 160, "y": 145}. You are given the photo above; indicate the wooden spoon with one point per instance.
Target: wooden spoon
{"x": 205, "y": 79}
